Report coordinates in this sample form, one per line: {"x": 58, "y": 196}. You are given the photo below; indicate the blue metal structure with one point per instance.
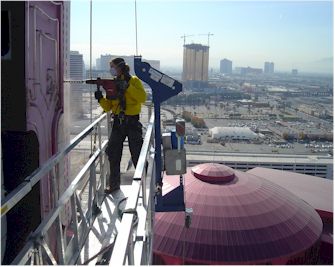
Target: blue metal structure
{"x": 163, "y": 87}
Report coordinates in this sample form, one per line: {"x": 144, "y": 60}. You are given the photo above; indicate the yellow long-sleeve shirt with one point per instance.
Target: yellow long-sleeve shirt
{"x": 135, "y": 95}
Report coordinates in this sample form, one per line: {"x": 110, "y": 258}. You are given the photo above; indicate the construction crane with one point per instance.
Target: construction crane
{"x": 184, "y": 36}
{"x": 208, "y": 34}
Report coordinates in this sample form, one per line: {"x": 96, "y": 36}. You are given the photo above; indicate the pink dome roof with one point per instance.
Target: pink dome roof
{"x": 213, "y": 173}
{"x": 247, "y": 220}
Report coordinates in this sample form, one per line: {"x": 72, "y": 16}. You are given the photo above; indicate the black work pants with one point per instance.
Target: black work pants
{"x": 130, "y": 127}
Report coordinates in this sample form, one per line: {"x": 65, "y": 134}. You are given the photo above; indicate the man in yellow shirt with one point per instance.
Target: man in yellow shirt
{"x": 126, "y": 107}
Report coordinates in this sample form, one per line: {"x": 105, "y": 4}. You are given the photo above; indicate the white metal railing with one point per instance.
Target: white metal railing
{"x": 39, "y": 249}
{"x": 49, "y": 166}
{"x": 133, "y": 243}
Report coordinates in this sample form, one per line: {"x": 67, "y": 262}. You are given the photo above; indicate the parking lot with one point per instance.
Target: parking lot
{"x": 270, "y": 143}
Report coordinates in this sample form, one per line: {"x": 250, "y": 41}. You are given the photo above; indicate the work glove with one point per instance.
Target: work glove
{"x": 98, "y": 95}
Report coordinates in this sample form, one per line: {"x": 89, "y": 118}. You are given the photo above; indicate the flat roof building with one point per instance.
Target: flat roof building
{"x": 249, "y": 71}
{"x": 234, "y": 133}
{"x": 226, "y": 66}
{"x": 103, "y": 62}
{"x": 269, "y": 67}
{"x": 321, "y": 166}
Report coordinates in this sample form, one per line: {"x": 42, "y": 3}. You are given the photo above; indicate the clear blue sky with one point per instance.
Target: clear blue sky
{"x": 291, "y": 34}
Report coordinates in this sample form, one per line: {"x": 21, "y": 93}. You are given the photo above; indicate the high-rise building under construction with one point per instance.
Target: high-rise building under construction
{"x": 195, "y": 64}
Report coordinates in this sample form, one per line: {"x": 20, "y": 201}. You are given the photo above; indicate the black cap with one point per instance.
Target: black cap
{"x": 118, "y": 61}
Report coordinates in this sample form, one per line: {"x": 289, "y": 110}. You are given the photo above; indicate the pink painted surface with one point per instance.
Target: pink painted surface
{"x": 318, "y": 192}
{"x": 247, "y": 220}
{"x": 213, "y": 173}
{"x": 44, "y": 82}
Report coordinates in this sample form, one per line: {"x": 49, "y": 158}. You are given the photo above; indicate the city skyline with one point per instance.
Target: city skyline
{"x": 291, "y": 34}
{"x": 245, "y": 160}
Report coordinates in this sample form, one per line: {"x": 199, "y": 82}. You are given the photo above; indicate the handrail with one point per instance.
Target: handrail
{"x": 139, "y": 205}
{"x": 25, "y": 187}
{"x": 124, "y": 242}
{"x": 44, "y": 226}
{"x": 42, "y": 229}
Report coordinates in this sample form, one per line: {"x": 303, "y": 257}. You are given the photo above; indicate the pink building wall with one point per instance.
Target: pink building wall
{"x": 44, "y": 64}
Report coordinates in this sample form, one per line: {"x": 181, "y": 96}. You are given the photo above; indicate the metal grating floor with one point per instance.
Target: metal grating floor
{"x": 106, "y": 224}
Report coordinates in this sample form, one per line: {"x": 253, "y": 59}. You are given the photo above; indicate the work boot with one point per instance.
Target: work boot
{"x": 112, "y": 188}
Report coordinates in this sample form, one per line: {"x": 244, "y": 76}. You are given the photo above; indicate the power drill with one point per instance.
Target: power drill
{"x": 115, "y": 89}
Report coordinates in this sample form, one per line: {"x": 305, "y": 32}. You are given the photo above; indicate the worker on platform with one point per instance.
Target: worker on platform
{"x": 126, "y": 109}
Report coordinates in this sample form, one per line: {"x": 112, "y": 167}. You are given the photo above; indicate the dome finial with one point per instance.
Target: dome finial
{"x": 213, "y": 173}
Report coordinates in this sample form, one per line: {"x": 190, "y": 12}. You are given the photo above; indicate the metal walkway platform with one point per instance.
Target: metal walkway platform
{"x": 100, "y": 241}
{"x": 105, "y": 228}
{"x": 95, "y": 222}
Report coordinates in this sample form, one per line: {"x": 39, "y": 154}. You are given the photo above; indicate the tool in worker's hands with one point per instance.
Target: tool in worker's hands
{"x": 114, "y": 88}
{"x": 98, "y": 95}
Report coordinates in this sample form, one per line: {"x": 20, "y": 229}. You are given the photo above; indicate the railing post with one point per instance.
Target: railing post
{"x": 131, "y": 259}
{"x": 105, "y": 169}
{"x": 144, "y": 186}
{"x": 75, "y": 224}
{"x": 102, "y": 169}
{"x": 151, "y": 211}
{"x": 99, "y": 134}
{"x": 109, "y": 132}
{"x": 60, "y": 241}
{"x": 91, "y": 193}
{"x": 58, "y": 225}
{"x": 32, "y": 259}
{"x": 109, "y": 126}
{"x": 39, "y": 255}
{"x": 35, "y": 259}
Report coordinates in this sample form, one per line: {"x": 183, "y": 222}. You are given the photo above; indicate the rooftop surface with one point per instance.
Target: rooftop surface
{"x": 205, "y": 156}
{"x": 248, "y": 220}
{"x": 315, "y": 191}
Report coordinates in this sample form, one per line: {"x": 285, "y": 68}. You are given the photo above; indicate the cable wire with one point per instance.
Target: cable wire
{"x": 91, "y": 93}
{"x": 136, "y": 28}
{"x": 214, "y": 151}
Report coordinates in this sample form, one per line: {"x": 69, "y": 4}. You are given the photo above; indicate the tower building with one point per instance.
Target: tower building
{"x": 195, "y": 64}
{"x": 226, "y": 66}
{"x": 269, "y": 67}
{"x": 77, "y": 70}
